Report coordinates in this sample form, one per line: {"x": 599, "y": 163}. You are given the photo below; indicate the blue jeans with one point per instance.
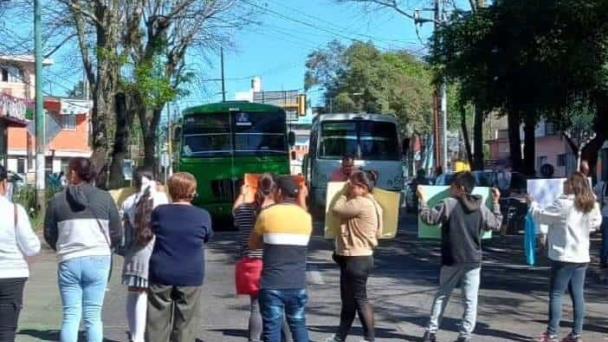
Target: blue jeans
{"x": 82, "y": 283}
{"x": 604, "y": 250}
{"x": 467, "y": 277}
{"x": 292, "y": 303}
{"x": 572, "y": 276}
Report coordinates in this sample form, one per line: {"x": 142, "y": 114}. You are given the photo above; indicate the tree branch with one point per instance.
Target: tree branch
{"x": 58, "y": 46}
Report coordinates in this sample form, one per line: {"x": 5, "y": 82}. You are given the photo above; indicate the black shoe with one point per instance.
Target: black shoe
{"x": 429, "y": 337}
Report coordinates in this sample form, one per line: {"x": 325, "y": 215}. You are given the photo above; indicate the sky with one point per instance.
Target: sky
{"x": 276, "y": 49}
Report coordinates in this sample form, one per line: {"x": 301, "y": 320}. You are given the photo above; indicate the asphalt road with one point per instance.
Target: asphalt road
{"x": 512, "y": 301}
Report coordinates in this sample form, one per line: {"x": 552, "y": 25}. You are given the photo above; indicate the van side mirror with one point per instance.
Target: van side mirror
{"x": 177, "y": 133}
{"x": 291, "y": 138}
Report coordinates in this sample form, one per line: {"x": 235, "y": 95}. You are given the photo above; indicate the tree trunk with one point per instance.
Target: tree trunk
{"x": 465, "y": 135}
{"x": 99, "y": 137}
{"x": 150, "y": 119}
{"x": 513, "y": 120}
{"x": 529, "y": 145}
{"x": 122, "y": 138}
{"x": 478, "y": 140}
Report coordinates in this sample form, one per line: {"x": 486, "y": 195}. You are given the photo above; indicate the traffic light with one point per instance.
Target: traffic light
{"x": 301, "y": 105}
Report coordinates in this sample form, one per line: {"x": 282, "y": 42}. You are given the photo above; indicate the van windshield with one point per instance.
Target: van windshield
{"x": 369, "y": 140}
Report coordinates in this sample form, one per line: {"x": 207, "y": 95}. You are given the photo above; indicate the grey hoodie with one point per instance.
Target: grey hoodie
{"x": 82, "y": 221}
{"x": 463, "y": 220}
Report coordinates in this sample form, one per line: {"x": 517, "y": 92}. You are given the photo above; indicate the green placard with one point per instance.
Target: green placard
{"x": 434, "y": 196}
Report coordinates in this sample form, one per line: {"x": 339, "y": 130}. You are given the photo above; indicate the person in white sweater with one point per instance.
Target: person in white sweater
{"x": 17, "y": 241}
{"x": 571, "y": 218}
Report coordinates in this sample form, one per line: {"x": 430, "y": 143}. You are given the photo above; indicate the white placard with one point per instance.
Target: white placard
{"x": 545, "y": 191}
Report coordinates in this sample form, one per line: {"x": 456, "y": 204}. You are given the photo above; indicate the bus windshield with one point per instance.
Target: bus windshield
{"x": 235, "y": 133}
{"x": 369, "y": 140}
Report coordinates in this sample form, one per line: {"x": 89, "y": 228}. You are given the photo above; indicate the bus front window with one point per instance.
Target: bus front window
{"x": 207, "y": 136}
{"x": 338, "y": 139}
{"x": 259, "y": 134}
{"x": 238, "y": 134}
{"x": 378, "y": 140}
{"x": 369, "y": 140}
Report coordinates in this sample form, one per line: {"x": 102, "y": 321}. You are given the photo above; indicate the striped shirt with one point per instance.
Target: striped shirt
{"x": 286, "y": 229}
{"x": 244, "y": 220}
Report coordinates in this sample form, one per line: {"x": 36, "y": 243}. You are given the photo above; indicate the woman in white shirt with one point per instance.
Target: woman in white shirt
{"x": 17, "y": 241}
{"x": 571, "y": 218}
{"x": 137, "y": 209}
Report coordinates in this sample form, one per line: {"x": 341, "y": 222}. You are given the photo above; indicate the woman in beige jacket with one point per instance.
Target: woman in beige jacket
{"x": 361, "y": 225}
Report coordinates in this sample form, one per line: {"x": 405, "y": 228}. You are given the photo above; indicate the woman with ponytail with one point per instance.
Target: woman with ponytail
{"x": 361, "y": 226}
{"x": 137, "y": 247}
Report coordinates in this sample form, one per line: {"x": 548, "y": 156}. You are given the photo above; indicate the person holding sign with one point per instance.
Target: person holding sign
{"x": 571, "y": 218}
{"x": 463, "y": 218}
{"x": 361, "y": 227}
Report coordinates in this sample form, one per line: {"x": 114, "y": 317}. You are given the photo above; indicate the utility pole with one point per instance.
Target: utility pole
{"x": 40, "y": 141}
{"x": 223, "y": 79}
{"x": 440, "y": 99}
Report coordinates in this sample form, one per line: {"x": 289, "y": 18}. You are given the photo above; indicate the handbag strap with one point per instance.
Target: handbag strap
{"x": 103, "y": 231}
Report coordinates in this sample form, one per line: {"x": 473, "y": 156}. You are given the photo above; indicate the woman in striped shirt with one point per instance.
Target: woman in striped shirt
{"x": 245, "y": 214}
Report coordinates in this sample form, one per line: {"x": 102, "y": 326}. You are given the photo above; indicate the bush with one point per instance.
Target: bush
{"x": 26, "y": 196}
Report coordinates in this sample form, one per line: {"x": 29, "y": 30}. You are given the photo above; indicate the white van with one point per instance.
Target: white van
{"x": 373, "y": 139}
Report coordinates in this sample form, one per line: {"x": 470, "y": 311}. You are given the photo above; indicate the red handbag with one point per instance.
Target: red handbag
{"x": 247, "y": 274}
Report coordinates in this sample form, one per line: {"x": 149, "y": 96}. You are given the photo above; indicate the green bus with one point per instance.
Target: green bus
{"x": 220, "y": 142}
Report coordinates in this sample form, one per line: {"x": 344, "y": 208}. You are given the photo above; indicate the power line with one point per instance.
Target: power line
{"x": 342, "y": 29}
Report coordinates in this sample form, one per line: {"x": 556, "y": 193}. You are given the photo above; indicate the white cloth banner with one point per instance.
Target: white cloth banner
{"x": 545, "y": 192}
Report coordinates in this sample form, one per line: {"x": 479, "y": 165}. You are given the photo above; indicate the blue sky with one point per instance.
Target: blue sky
{"x": 276, "y": 50}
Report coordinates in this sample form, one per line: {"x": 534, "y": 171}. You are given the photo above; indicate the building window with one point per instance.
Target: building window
{"x": 550, "y": 129}
{"x": 9, "y": 73}
{"x": 68, "y": 122}
{"x": 21, "y": 165}
{"x": 561, "y": 159}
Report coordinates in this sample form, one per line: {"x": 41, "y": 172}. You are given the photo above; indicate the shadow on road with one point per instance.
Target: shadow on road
{"x": 52, "y": 335}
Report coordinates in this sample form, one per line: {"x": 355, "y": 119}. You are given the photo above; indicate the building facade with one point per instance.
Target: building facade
{"x": 551, "y": 148}
{"x": 66, "y": 120}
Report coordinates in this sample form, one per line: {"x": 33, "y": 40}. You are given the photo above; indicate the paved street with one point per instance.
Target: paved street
{"x": 513, "y": 297}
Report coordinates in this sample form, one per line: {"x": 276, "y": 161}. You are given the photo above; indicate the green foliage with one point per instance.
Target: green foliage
{"x": 151, "y": 82}
{"x": 541, "y": 58}
{"x": 26, "y": 196}
{"x": 362, "y": 78}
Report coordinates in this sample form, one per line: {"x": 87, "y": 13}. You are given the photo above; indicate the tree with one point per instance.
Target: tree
{"x": 525, "y": 59}
{"x": 134, "y": 56}
{"x": 156, "y": 39}
{"x": 362, "y": 78}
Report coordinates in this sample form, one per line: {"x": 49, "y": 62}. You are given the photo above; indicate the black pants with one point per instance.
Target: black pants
{"x": 354, "y": 271}
{"x": 11, "y": 301}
